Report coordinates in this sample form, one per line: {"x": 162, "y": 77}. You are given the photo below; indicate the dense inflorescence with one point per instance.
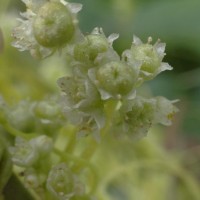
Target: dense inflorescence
{"x": 99, "y": 97}
{"x": 103, "y": 81}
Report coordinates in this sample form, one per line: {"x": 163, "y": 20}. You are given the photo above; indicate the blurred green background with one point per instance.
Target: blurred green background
{"x": 176, "y": 22}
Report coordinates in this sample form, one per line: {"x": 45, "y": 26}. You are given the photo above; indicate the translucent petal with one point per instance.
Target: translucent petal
{"x": 112, "y": 38}
{"x": 160, "y": 48}
{"x": 165, "y": 111}
{"x": 29, "y": 14}
{"x": 42, "y": 144}
{"x": 136, "y": 40}
{"x": 131, "y": 95}
{"x": 99, "y": 118}
{"x": 97, "y": 30}
{"x": 74, "y": 7}
{"x": 164, "y": 66}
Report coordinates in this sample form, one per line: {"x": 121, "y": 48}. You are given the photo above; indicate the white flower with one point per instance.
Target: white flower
{"x": 146, "y": 58}
{"x": 82, "y": 104}
{"x": 63, "y": 184}
{"x": 23, "y": 154}
{"x": 165, "y": 111}
{"x": 135, "y": 120}
{"x": 26, "y": 153}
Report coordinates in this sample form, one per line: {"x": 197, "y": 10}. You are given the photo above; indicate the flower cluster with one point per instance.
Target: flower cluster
{"x": 37, "y": 125}
{"x": 34, "y": 156}
{"x": 32, "y": 116}
{"x": 101, "y": 80}
{"x": 99, "y": 96}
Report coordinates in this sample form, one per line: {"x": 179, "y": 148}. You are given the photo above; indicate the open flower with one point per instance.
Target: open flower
{"x": 23, "y": 154}
{"x": 26, "y": 153}
{"x": 63, "y": 184}
{"x": 82, "y": 103}
{"x": 165, "y": 111}
{"x": 147, "y": 58}
{"x": 135, "y": 120}
{"x": 46, "y": 26}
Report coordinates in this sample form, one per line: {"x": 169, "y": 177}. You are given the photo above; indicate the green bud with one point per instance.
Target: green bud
{"x": 91, "y": 47}
{"x": 116, "y": 77}
{"x": 148, "y": 55}
{"x": 53, "y": 25}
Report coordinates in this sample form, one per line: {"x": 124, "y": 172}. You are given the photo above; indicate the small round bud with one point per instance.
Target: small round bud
{"x": 90, "y": 47}
{"x": 149, "y": 57}
{"x": 53, "y": 25}
{"x": 116, "y": 77}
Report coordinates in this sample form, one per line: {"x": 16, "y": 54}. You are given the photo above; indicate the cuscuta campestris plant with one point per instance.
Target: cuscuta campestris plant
{"x": 98, "y": 98}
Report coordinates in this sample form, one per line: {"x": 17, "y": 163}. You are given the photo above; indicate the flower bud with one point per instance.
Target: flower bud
{"x": 116, "y": 77}
{"x": 91, "y": 47}
{"x": 62, "y": 183}
{"x": 147, "y": 54}
{"x": 53, "y": 25}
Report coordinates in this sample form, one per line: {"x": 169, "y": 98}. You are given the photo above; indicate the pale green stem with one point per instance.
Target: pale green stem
{"x": 17, "y": 133}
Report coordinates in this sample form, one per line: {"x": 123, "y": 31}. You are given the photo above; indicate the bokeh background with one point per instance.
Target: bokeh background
{"x": 176, "y": 22}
